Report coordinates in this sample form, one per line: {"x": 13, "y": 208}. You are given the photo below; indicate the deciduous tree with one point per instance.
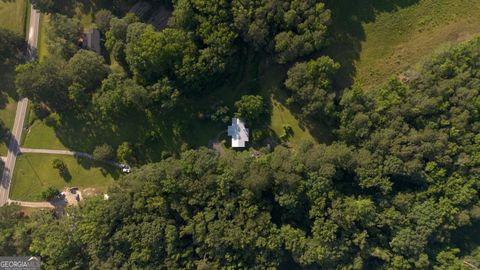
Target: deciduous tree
{"x": 310, "y": 84}
{"x": 250, "y": 108}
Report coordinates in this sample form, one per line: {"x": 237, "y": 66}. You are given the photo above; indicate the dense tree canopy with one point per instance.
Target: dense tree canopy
{"x": 59, "y": 84}
{"x": 102, "y": 20}
{"x": 291, "y": 28}
{"x": 116, "y": 36}
{"x": 391, "y": 193}
{"x": 46, "y": 6}
{"x": 44, "y": 82}
{"x": 311, "y": 86}
{"x": 156, "y": 54}
{"x": 12, "y": 45}
{"x": 118, "y": 96}
{"x": 250, "y": 108}
{"x": 396, "y": 188}
{"x": 87, "y": 68}
{"x": 63, "y": 34}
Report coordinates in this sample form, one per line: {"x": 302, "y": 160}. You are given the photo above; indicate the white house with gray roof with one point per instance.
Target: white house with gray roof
{"x": 238, "y": 132}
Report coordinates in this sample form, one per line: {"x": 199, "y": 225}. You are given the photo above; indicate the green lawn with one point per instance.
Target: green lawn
{"x": 85, "y": 135}
{"x": 34, "y": 173}
{"x": 282, "y": 116}
{"x": 7, "y": 116}
{"x": 12, "y": 15}
{"x": 40, "y": 135}
{"x": 42, "y": 36}
{"x": 265, "y": 79}
{"x": 377, "y": 39}
{"x": 271, "y": 85}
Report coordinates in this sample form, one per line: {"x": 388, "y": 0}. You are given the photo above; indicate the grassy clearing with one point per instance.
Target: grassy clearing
{"x": 40, "y": 135}
{"x": 282, "y": 116}
{"x": 271, "y": 85}
{"x": 34, "y": 173}
{"x": 12, "y": 15}
{"x": 374, "y": 40}
{"x": 85, "y": 135}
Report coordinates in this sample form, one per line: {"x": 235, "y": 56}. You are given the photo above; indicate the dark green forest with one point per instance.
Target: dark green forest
{"x": 397, "y": 187}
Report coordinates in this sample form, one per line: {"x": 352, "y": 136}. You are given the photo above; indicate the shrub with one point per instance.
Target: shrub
{"x": 49, "y": 193}
{"x": 250, "y": 108}
{"x": 287, "y": 129}
{"x": 220, "y": 115}
{"x": 258, "y": 135}
{"x": 103, "y": 152}
{"x": 50, "y": 121}
{"x": 102, "y": 20}
{"x": 58, "y": 163}
{"x": 125, "y": 152}
{"x": 287, "y": 132}
{"x": 41, "y": 111}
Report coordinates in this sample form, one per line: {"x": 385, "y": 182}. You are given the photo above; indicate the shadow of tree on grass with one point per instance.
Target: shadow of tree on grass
{"x": 347, "y": 32}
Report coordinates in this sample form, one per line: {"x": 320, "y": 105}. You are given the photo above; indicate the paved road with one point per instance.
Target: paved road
{"x": 67, "y": 153}
{"x": 33, "y": 31}
{"x": 33, "y": 204}
{"x": 22, "y": 105}
{"x": 55, "y": 152}
{"x": 13, "y": 150}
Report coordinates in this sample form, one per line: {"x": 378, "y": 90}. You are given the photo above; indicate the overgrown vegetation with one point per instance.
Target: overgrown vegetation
{"x": 396, "y": 187}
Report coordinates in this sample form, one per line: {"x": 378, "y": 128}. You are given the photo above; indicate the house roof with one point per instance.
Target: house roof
{"x": 238, "y": 132}
{"x": 93, "y": 40}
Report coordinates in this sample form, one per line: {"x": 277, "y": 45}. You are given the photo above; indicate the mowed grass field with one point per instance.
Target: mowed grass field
{"x": 374, "y": 40}
{"x": 272, "y": 90}
{"x": 13, "y": 14}
{"x": 40, "y": 135}
{"x": 34, "y": 173}
{"x": 7, "y": 116}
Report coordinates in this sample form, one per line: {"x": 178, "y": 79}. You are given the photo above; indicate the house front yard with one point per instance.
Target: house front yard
{"x": 34, "y": 173}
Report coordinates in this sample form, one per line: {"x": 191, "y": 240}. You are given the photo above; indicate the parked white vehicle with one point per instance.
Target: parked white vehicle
{"x": 125, "y": 168}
